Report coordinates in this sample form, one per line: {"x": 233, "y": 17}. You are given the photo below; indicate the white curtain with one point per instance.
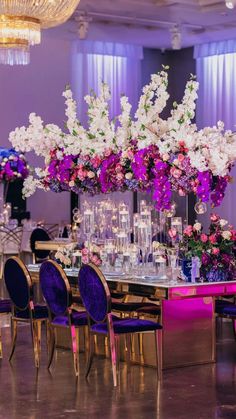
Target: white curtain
{"x": 119, "y": 65}
{"x": 217, "y": 101}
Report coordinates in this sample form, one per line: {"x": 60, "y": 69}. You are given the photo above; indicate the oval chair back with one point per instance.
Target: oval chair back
{"x": 55, "y": 287}
{"x": 94, "y": 292}
{"x": 18, "y": 283}
{"x": 39, "y": 234}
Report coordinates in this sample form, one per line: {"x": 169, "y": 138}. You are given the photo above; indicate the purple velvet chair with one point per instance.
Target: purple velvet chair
{"x": 226, "y": 309}
{"x": 5, "y": 308}
{"x": 57, "y": 293}
{"x": 96, "y": 298}
{"x": 20, "y": 289}
{"x": 39, "y": 234}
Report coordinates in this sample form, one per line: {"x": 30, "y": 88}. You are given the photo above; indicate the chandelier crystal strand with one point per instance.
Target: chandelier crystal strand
{"x": 21, "y": 22}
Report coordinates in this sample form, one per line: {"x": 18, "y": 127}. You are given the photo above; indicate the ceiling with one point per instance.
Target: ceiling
{"x": 150, "y": 22}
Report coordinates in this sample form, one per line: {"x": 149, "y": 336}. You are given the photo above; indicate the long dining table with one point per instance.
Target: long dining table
{"x": 187, "y": 314}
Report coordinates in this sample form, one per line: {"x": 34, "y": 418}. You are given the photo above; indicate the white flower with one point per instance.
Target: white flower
{"x": 223, "y": 222}
{"x": 129, "y": 175}
{"x": 226, "y": 235}
{"x": 197, "y": 226}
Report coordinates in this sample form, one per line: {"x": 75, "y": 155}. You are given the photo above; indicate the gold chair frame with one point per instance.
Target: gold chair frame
{"x": 113, "y": 339}
{"x": 74, "y": 330}
{"x": 35, "y": 324}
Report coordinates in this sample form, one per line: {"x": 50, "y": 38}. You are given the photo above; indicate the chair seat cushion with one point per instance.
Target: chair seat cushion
{"x": 132, "y": 306}
{"x": 40, "y": 312}
{"x": 127, "y": 326}
{"x": 5, "y": 306}
{"x": 225, "y": 307}
{"x": 78, "y": 318}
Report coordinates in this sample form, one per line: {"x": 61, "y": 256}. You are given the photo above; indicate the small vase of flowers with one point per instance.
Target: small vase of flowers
{"x": 216, "y": 249}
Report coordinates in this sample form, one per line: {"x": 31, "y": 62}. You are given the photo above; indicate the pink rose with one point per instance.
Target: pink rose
{"x": 213, "y": 239}
{"x": 95, "y": 161}
{"x": 188, "y": 231}
{"x": 215, "y": 251}
{"x": 85, "y": 251}
{"x": 181, "y": 157}
{"x": 176, "y": 173}
{"x": 204, "y": 238}
{"x": 130, "y": 154}
{"x": 172, "y": 233}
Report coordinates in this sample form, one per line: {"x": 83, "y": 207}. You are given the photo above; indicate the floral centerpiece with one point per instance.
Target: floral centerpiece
{"x": 12, "y": 165}
{"x": 147, "y": 153}
{"x": 65, "y": 255}
{"x": 216, "y": 249}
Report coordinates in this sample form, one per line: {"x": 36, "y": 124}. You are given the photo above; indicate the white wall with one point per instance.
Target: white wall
{"x": 38, "y": 88}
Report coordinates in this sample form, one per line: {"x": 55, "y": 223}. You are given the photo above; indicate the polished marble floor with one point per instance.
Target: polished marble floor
{"x": 207, "y": 391}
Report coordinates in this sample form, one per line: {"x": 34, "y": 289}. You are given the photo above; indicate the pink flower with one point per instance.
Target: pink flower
{"x": 81, "y": 174}
{"x": 172, "y": 233}
{"x": 85, "y": 251}
{"x": 213, "y": 239}
{"x": 215, "y": 251}
{"x": 204, "y": 238}
{"x": 181, "y": 157}
{"x": 176, "y": 173}
{"x": 96, "y": 161}
{"x": 107, "y": 152}
{"x": 130, "y": 154}
{"x": 85, "y": 259}
{"x": 181, "y": 192}
{"x": 233, "y": 232}
{"x": 214, "y": 217}
{"x": 119, "y": 176}
{"x": 188, "y": 231}
{"x": 95, "y": 259}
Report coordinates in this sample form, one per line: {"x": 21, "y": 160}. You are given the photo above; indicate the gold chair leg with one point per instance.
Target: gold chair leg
{"x": 128, "y": 350}
{"x": 158, "y": 340}
{"x": 35, "y": 340}
{"x": 0, "y": 342}
{"x": 48, "y": 337}
{"x": 51, "y": 345}
{"x": 14, "y": 336}
{"x": 75, "y": 347}
{"x": 90, "y": 354}
{"x": 113, "y": 357}
{"x": 140, "y": 343}
{"x": 39, "y": 336}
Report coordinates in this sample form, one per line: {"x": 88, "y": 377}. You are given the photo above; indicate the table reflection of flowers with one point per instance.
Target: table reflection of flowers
{"x": 69, "y": 256}
{"x": 216, "y": 249}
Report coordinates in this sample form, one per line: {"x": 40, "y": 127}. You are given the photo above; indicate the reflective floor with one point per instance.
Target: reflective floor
{"x": 207, "y": 391}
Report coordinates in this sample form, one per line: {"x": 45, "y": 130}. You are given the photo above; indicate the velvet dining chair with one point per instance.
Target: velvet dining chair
{"x": 24, "y": 309}
{"x": 96, "y": 298}
{"x": 226, "y": 309}
{"x": 58, "y": 296}
{"x": 39, "y": 234}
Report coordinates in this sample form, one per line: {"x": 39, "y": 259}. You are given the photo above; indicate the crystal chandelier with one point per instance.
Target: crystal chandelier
{"x": 21, "y": 22}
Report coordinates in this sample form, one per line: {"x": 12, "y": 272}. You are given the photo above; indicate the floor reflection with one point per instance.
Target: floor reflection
{"x": 206, "y": 391}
